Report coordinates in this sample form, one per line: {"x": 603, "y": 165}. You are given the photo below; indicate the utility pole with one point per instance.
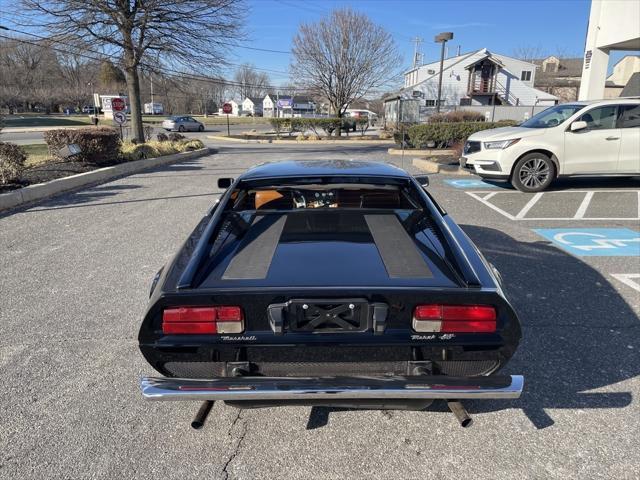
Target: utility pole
{"x": 153, "y": 109}
{"x": 417, "y": 55}
{"x": 442, "y": 38}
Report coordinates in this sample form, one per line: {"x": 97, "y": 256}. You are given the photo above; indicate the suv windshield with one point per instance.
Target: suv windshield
{"x": 552, "y": 117}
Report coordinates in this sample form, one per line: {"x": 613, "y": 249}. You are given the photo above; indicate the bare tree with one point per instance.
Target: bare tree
{"x": 529, "y": 53}
{"x": 343, "y": 57}
{"x": 186, "y": 32}
{"x": 250, "y": 83}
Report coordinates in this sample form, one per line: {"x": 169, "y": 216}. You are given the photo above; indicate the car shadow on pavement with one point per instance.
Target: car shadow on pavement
{"x": 582, "y": 183}
{"x": 579, "y": 334}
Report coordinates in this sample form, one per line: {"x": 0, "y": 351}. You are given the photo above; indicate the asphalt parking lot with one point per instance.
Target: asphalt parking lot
{"x": 75, "y": 272}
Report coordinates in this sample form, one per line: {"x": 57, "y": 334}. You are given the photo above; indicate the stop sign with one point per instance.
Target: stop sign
{"x": 118, "y": 104}
{"x": 227, "y": 108}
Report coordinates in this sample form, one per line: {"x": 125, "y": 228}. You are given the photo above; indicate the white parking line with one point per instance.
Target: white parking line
{"x": 529, "y": 205}
{"x": 628, "y": 279}
{"x": 483, "y": 198}
{"x": 584, "y": 205}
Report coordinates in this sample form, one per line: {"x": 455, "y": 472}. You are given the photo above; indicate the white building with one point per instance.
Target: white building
{"x": 477, "y": 78}
{"x": 287, "y": 106}
{"x": 622, "y": 71}
{"x": 613, "y": 25}
{"x": 252, "y": 106}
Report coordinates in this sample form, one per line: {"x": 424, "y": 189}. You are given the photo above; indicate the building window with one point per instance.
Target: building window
{"x": 429, "y": 103}
{"x": 525, "y": 76}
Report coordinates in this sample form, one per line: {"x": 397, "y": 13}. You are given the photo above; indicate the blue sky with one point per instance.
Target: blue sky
{"x": 500, "y": 25}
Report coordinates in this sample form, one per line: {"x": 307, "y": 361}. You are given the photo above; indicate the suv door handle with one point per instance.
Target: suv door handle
{"x": 612, "y": 138}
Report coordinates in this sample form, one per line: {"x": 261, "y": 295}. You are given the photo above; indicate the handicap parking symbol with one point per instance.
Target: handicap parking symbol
{"x": 460, "y": 183}
{"x": 605, "y": 242}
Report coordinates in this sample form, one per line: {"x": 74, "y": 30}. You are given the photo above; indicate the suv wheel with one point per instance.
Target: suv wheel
{"x": 201, "y": 128}
{"x": 181, "y": 128}
{"x": 533, "y": 173}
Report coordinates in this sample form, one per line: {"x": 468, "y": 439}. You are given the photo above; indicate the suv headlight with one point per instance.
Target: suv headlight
{"x": 500, "y": 144}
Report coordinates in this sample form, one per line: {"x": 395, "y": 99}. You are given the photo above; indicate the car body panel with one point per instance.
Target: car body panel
{"x": 328, "y": 257}
{"x": 590, "y": 151}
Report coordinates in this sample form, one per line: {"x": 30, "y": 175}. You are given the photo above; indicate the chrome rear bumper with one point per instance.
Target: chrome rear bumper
{"x": 323, "y": 388}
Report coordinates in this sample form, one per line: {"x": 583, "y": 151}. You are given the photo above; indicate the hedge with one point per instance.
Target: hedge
{"x": 301, "y": 124}
{"x": 12, "y": 158}
{"x": 97, "y": 145}
{"x": 457, "y": 116}
{"x": 443, "y": 135}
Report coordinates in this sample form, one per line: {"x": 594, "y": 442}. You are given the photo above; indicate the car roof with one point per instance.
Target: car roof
{"x": 311, "y": 168}
{"x": 609, "y": 101}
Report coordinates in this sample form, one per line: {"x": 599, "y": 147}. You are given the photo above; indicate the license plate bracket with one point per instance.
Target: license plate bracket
{"x": 328, "y": 315}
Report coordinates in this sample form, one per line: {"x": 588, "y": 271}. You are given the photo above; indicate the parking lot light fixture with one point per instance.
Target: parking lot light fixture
{"x": 442, "y": 38}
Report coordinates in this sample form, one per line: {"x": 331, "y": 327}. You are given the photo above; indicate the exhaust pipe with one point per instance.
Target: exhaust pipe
{"x": 460, "y": 412}
{"x": 201, "y": 416}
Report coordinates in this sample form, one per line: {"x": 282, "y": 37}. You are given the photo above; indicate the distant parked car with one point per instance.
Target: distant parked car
{"x": 182, "y": 124}
{"x": 580, "y": 138}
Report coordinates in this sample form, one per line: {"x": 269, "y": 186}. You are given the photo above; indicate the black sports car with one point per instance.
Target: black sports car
{"x": 337, "y": 283}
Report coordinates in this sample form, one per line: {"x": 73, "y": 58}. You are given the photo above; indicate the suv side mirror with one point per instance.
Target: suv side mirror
{"x": 579, "y": 125}
{"x": 224, "y": 182}
{"x": 422, "y": 180}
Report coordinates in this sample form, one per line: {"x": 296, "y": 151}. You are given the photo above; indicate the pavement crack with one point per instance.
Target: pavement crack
{"x": 238, "y": 444}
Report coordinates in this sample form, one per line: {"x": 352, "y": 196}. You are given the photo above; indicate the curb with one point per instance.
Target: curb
{"x": 337, "y": 142}
{"x": 296, "y": 142}
{"x": 425, "y": 153}
{"x": 40, "y": 191}
{"x": 238, "y": 140}
{"x": 435, "y": 167}
{"x": 42, "y": 129}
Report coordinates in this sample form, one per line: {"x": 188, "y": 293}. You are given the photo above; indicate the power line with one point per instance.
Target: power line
{"x": 202, "y": 77}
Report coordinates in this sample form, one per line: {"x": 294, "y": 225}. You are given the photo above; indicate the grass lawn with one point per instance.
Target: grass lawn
{"x": 45, "y": 121}
{"x": 37, "y": 154}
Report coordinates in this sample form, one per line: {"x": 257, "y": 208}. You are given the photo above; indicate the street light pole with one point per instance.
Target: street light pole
{"x": 442, "y": 38}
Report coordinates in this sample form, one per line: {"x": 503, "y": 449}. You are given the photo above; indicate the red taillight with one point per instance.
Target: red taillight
{"x": 202, "y": 320}
{"x": 229, "y": 314}
{"x": 454, "y": 318}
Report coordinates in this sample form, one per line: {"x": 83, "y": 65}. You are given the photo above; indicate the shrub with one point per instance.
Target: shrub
{"x": 314, "y": 137}
{"x": 457, "y": 116}
{"x": 385, "y": 135}
{"x": 189, "y": 145}
{"x": 363, "y": 125}
{"x": 328, "y": 125}
{"x": 301, "y": 137}
{"x": 162, "y": 137}
{"x": 98, "y": 145}
{"x": 288, "y": 125}
{"x": 12, "y": 158}
{"x": 447, "y": 133}
{"x": 175, "y": 137}
{"x": 131, "y": 151}
{"x": 147, "y": 131}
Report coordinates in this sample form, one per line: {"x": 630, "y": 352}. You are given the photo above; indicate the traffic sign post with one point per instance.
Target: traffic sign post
{"x": 120, "y": 118}
{"x": 227, "y": 108}
{"x": 118, "y": 104}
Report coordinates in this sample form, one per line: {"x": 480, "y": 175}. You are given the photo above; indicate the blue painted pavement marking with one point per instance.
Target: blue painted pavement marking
{"x": 458, "y": 183}
{"x": 591, "y": 242}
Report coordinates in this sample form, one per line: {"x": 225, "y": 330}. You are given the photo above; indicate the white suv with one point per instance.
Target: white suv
{"x": 579, "y": 138}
